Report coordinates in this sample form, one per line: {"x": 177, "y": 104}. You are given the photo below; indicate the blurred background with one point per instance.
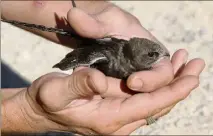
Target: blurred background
{"x": 177, "y": 24}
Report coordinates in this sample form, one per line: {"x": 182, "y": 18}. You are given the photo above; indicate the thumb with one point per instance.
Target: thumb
{"x": 57, "y": 93}
{"x": 86, "y": 25}
{"x": 86, "y": 82}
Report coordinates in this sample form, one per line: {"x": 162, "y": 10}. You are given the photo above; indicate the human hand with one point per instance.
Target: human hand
{"x": 56, "y": 113}
{"x": 83, "y": 102}
{"x": 113, "y": 21}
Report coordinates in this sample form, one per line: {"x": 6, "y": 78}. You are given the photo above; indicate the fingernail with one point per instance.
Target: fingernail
{"x": 136, "y": 84}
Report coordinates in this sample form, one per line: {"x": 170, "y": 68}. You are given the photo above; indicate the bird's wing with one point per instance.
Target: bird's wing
{"x": 81, "y": 57}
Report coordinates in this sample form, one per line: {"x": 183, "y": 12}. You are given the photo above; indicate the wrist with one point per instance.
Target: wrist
{"x": 18, "y": 116}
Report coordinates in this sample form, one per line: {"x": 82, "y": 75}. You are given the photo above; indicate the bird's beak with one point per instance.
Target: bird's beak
{"x": 167, "y": 54}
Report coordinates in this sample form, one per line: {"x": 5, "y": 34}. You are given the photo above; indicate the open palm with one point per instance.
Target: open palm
{"x": 86, "y": 102}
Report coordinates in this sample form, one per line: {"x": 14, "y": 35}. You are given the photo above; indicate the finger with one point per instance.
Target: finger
{"x": 193, "y": 67}
{"x": 142, "y": 106}
{"x": 147, "y": 81}
{"x": 179, "y": 59}
{"x": 86, "y": 25}
{"x": 129, "y": 128}
{"x": 117, "y": 88}
{"x": 163, "y": 112}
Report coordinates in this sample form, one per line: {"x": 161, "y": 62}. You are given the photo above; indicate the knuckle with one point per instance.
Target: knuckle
{"x": 97, "y": 81}
{"x": 82, "y": 83}
{"x": 75, "y": 84}
{"x": 186, "y": 92}
{"x": 72, "y": 82}
{"x": 197, "y": 82}
{"x": 184, "y": 95}
{"x": 43, "y": 94}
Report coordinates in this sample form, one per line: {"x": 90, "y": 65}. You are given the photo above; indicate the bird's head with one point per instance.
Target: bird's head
{"x": 144, "y": 53}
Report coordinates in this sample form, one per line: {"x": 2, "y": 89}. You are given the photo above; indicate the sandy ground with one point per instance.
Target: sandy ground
{"x": 177, "y": 24}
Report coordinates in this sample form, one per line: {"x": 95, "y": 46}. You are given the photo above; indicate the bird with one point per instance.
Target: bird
{"x": 114, "y": 57}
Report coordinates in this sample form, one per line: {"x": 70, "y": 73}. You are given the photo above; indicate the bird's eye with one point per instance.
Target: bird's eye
{"x": 153, "y": 54}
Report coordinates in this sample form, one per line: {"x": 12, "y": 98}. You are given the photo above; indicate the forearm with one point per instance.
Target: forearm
{"x": 18, "y": 116}
{"x": 47, "y": 13}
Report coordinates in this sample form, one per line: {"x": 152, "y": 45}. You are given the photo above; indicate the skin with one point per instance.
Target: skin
{"x": 75, "y": 102}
